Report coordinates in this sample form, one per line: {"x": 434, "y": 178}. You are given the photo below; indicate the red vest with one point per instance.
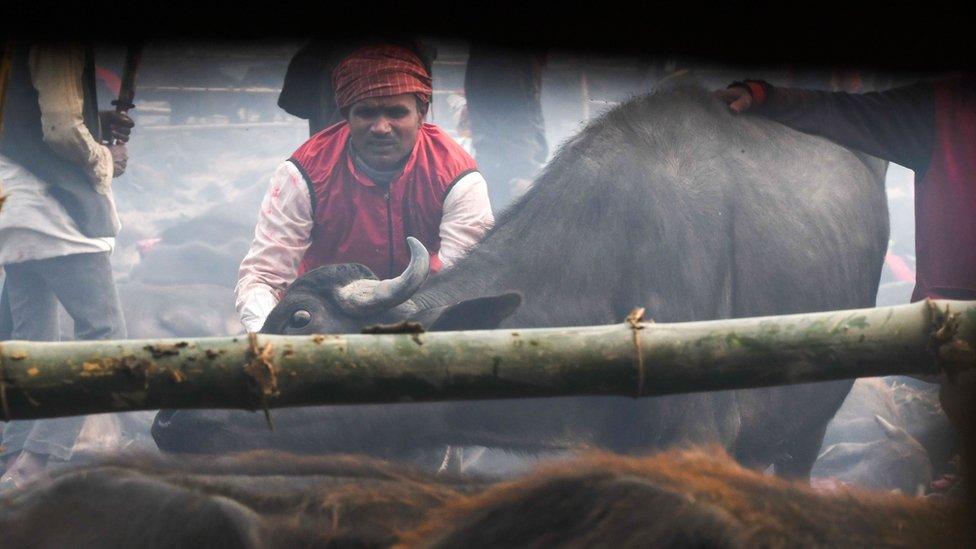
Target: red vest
{"x": 357, "y": 221}
{"x": 945, "y": 198}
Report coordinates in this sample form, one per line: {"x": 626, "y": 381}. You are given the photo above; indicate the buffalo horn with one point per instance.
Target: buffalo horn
{"x": 367, "y": 296}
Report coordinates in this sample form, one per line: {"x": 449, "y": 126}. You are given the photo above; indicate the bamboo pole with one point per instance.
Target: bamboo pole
{"x": 39, "y": 380}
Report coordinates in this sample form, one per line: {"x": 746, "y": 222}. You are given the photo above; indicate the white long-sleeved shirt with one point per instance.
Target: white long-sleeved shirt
{"x": 284, "y": 232}
{"x": 33, "y": 224}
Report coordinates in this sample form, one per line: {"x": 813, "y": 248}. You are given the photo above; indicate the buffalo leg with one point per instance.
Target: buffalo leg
{"x": 803, "y": 452}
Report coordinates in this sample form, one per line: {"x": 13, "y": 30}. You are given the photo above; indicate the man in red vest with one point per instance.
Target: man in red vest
{"x": 929, "y": 127}
{"x": 356, "y": 190}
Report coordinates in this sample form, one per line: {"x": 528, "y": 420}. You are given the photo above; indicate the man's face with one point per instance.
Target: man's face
{"x": 384, "y": 129}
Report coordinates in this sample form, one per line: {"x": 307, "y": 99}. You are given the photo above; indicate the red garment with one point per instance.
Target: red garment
{"x": 757, "y": 90}
{"x": 899, "y": 268}
{"x": 110, "y": 79}
{"x": 945, "y": 198}
{"x": 380, "y": 71}
{"x": 357, "y": 221}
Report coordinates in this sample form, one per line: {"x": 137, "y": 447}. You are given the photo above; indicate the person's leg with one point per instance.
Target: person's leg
{"x": 33, "y": 316}
{"x": 84, "y": 285}
{"x": 33, "y": 306}
{"x": 503, "y": 92}
{"x": 6, "y": 322}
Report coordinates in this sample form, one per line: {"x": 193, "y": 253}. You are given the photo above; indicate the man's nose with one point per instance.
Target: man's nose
{"x": 381, "y": 126}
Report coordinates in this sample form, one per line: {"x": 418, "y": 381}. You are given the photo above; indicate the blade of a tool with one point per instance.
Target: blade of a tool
{"x": 127, "y": 90}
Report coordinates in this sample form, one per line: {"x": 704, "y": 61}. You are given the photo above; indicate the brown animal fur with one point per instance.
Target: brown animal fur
{"x": 260, "y": 499}
{"x": 697, "y": 498}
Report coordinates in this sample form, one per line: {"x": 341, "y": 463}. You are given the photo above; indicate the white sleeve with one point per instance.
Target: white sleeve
{"x": 56, "y": 73}
{"x": 282, "y": 234}
{"x": 467, "y": 217}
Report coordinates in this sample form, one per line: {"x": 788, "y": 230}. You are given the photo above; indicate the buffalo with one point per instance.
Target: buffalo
{"x": 693, "y": 498}
{"x": 255, "y": 500}
{"x": 868, "y": 443}
{"x": 667, "y": 202}
{"x": 697, "y": 498}
{"x": 895, "y": 462}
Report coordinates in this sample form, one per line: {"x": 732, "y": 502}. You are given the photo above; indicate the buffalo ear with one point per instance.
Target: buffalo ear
{"x": 483, "y": 313}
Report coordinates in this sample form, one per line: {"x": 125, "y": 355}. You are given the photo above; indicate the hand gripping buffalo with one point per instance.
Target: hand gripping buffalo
{"x": 667, "y": 202}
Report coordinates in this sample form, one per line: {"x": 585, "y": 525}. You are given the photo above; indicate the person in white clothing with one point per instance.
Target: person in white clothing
{"x": 57, "y": 224}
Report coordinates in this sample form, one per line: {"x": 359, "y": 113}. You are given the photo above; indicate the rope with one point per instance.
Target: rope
{"x": 634, "y": 319}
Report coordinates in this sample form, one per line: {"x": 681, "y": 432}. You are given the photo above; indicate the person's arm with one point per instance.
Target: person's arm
{"x": 56, "y": 73}
{"x": 467, "y": 217}
{"x": 282, "y": 235}
{"x": 896, "y": 124}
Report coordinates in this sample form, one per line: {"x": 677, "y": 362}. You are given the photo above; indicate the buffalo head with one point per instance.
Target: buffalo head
{"x": 346, "y": 297}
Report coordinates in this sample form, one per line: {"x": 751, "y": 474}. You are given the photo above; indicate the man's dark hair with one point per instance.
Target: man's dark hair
{"x": 422, "y": 106}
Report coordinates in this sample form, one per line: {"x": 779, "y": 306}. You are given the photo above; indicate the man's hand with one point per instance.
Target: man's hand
{"x": 120, "y": 157}
{"x": 737, "y": 98}
{"x": 116, "y": 127}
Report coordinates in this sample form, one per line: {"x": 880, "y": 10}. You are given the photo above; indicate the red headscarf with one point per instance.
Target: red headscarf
{"x": 380, "y": 71}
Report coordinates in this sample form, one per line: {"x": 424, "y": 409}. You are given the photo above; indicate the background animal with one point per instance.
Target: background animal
{"x": 894, "y": 462}
{"x": 698, "y": 498}
{"x": 867, "y": 443}
{"x": 259, "y": 500}
{"x": 667, "y": 202}
{"x": 923, "y": 417}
